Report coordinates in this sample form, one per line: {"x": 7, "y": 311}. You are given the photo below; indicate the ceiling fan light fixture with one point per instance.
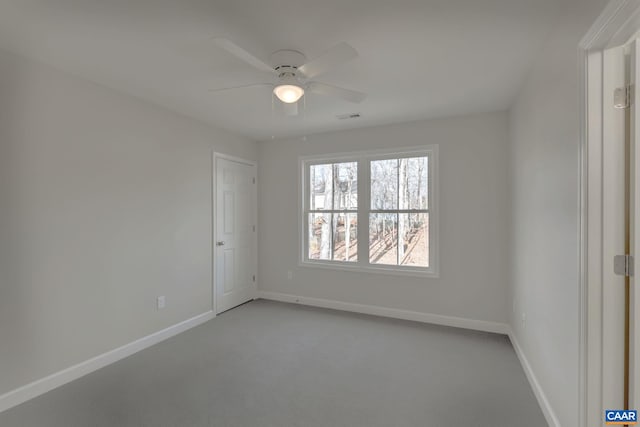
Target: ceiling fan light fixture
{"x": 288, "y": 93}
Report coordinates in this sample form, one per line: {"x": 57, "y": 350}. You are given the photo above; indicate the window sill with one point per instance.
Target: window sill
{"x": 372, "y": 269}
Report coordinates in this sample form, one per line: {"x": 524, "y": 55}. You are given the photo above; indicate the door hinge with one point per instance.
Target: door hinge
{"x": 254, "y": 277}
{"x": 622, "y": 97}
{"x": 623, "y": 265}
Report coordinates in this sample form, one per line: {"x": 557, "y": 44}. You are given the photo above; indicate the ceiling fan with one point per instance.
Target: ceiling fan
{"x": 293, "y": 74}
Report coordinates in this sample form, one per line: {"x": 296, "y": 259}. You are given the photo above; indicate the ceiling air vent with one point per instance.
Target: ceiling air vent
{"x": 348, "y": 116}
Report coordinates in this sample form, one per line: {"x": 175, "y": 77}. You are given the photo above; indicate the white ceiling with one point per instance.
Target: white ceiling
{"x": 418, "y": 58}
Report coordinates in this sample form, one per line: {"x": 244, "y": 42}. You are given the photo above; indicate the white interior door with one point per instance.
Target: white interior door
{"x": 634, "y": 230}
{"x": 614, "y": 123}
{"x": 235, "y": 233}
{"x": 620, "y": 236}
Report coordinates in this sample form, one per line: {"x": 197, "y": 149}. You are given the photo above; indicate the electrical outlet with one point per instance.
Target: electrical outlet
{"x": 161, "y": 302}
{"x": 289, "y": 274}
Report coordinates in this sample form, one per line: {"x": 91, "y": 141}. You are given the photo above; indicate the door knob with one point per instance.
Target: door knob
{"x": 220, "y": 243}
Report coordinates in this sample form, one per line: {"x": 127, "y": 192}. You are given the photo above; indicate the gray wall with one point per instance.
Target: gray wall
{"x": 473, "y": 213}
{"x": 105, "y": 203}
{"x": 543, "y": 159}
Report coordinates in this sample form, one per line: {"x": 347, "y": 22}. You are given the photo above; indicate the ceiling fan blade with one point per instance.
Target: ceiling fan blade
{"x": 290, "y": 109}
{"x": 335, "y": 56}
{"x": 338, "y": 92}
{"x": 247, "y": 57}
{"x": 240, "y": 87}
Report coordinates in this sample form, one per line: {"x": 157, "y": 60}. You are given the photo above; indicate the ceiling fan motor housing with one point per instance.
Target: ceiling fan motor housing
{"x": 286, "y": 63}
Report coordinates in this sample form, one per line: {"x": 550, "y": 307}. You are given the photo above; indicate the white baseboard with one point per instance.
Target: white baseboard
{"x": 438, "y": 319}
{"x": 36, "y": 388}
{"x": 547, "y": 410}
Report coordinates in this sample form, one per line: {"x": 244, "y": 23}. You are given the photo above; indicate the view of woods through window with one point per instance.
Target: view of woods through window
{"x": 399, "y": 219}
{"x": 334, "y": 235}
{"x": 397, "y": 212}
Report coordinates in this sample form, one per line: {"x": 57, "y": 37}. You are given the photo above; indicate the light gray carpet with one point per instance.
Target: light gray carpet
{"x": 271, "y": 364}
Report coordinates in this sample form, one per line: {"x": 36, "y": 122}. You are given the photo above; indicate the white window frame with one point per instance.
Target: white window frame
{"x": 364, "y": 207}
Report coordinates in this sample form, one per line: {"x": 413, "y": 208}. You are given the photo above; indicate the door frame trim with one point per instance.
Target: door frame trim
{"x": 619, "y": 22}
{"x": 215, "y": 155}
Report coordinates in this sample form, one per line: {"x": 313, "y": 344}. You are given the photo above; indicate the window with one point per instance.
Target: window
{"x": 371, "y": 211}
{"x": 333, "y": 212}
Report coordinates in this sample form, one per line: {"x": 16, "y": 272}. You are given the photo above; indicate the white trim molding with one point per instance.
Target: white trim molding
{"x": 375, "y": 310}
{"x": 543, "y": 402}
{"x": 50, "y": 382}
